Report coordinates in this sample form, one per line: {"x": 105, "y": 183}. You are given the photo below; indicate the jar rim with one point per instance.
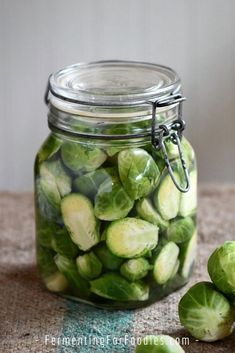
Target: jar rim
{"x": 112, "y": 83}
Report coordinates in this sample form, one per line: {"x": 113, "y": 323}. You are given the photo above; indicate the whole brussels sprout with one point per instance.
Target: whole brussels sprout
{"x": 138, "y": 172}
{"x": 135, "y": 269}
{"x": 181, "y": 230}
{"x": 89, "y": 266}
{"x": 112, "y": 201}
{"x": 78, "y": 157}
{"x": 108, "y": 259}
{"x": 158, "y": 344}
{"x": 88, "y": 184}
{"x": 206, "y": 313}
{"x": 221, "y": 268}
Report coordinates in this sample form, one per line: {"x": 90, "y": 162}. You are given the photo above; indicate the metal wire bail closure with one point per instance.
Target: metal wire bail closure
{"x": 174, "y": 132}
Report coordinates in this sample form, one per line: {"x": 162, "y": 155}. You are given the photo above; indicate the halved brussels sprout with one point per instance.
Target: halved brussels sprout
{"x": 131, "y": 237}
{"x": 206, "y": 313}
{"x": 135, "y": 269}
{"x": 49, "y": 148}
{"x": 79, "y": 219}
{"x": 54, "y": 176}
{"x": 221, "y": 268}
{"x": 138, "y": 172}
{"x": 159, "y": 344}
{"x": 146, "y": 211}
{"x": 180, "y": 230}
{"x": 188, "y": 253}
{"x": 165, "y": 263}
{"x": 113, "y": 286}
{"x": 167, "y": 197}
{"x": 89, "y": 183}
{"x": 69, "y": 269}
{"x": 89, "y": 266}
{"x": 112, "y": 201}
{"x": 56, "y": 282}
{"x": 78, "y": 157}
{"x": 108, "y": 259}
{"x": 188, "y": 202}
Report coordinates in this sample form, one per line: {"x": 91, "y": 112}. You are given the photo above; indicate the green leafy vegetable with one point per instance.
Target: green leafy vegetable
{"x": 89, "y": 266}
{"x": 113, "y": 286}
{"x": 206, "y": 313}
{"x": 146, "y": 211}
{"x": 108, "y": 259}
{"x": 112, "y": 201}
{"x": 56, "y": 282}
{"x": 69, "y": 269}
{"x": 79, "y": 219}
{"x": 181, "y": 230}
{"x": 165, "y": 263}
{"x": 131, "y": 237}
{"x": 221, "y": 268}
{"x": 135, "y": 269}
{"x": 138, "y": 172}
{"x": 89, "y": 183}
{"x": 78, "y": 157}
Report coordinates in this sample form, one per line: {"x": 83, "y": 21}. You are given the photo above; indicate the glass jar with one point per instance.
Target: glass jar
{"x": 115, "y": 186}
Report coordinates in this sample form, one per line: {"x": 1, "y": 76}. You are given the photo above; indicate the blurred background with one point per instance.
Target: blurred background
{"x": 196, "y": 38}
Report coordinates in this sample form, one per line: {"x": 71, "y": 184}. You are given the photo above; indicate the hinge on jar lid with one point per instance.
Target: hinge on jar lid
{"x": 174, "y": 132}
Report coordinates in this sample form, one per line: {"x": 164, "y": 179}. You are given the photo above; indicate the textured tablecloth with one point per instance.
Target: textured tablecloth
{"x": 33, "y": 320}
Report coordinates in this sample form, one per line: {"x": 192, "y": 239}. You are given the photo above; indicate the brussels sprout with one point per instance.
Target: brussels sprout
{"x": 79, "y": 219}
{"x": 159, "y": 344}
{"x": 89, "y": 266}
{"x": 108, "y": 259}
{"x": 165, "y": 263}
{"x": 45, "y": 261}
{"x": 89, "y": 183}
{"x": 56, "y": 282}
{"x": 181, "y": 230}
{"x": 188, "y": 202}
{"x": 188, "y": 253}
{"x": 135, "y": 269}
{"x": 49, "y": 148}
{"x": 138, "y": 172}
{"x": 206, "y": 313}
{"x": 131, "y": 237}
{"x": 188, "y": 153}
{"x": 113, "y": 286}
{"x": 146, "y": 211}
{"x": 54, "y": 178}
{"x": 221, "y": 268}
{"x": 48, "y": 210}
{"x": 167, "y": 197}
{"x": 69, "y": 269}
{"x": 112, "y": 202}
{"x": 62, "y": 243}
{"x": 78, "y": 157}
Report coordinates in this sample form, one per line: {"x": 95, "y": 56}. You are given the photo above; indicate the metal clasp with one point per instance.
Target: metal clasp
{"x": 174, "y": 133}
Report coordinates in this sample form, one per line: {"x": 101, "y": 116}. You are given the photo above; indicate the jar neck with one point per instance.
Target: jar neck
{"x": 117, "y": 123}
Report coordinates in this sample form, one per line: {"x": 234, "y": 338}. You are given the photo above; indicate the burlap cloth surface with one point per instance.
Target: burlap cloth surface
{"x": 28, "y": 313}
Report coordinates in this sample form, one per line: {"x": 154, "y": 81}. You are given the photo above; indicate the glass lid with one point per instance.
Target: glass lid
{"x": 113, "y": 83}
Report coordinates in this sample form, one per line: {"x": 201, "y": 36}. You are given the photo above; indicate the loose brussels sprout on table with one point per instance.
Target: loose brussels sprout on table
{"x": 206, "y": 313}
{"x": 112, "y": 228}
{"x": 221, "y": 268}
